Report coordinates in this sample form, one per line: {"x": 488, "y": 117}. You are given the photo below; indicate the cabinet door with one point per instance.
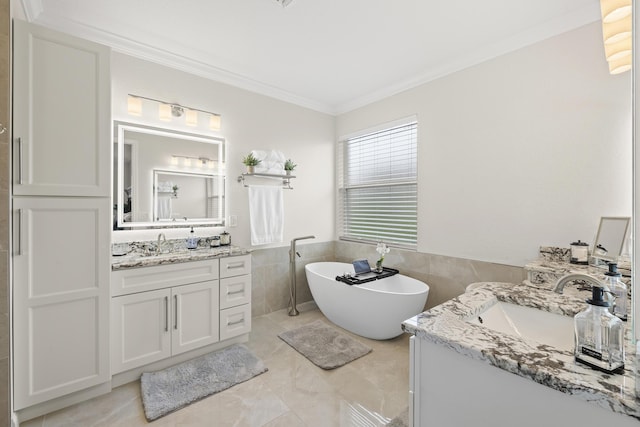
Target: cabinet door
{"x": 140, "y": 329}
{"x": 195, "y": 316}
{"x": 60, "y": 296}
{"x": 61, "y": 114}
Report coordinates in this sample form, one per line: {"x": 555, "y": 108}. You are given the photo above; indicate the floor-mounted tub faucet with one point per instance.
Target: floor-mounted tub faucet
{"x": 293, "y": 311}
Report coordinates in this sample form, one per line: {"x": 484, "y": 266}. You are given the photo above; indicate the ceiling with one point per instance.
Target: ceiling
{"x": 327, "y": 55}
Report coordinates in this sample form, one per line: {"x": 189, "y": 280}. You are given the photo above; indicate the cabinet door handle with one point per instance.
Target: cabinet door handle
{"x": 18, "y": 239}
{"x": 166, "y": 314}
{"x": 241, "y": 291}
{"x": 20, "y": 161}
{"x": 175, "y": 303}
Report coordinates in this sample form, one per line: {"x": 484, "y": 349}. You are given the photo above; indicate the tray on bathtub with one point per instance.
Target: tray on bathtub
{"x": 367, "y": 277}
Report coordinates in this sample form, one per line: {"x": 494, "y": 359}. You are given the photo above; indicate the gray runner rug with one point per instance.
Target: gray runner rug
{"x": 178, "y": 386}
{"x": 324, "y": 345}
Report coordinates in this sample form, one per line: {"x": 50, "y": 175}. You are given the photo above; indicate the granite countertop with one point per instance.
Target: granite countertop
{"x": 445, "y": 325}
{"x": 136, "y": 258}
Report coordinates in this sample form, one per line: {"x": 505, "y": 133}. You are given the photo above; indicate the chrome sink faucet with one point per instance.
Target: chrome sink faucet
{"x": 161, "y": 241}
{"x": 577, "y": 276}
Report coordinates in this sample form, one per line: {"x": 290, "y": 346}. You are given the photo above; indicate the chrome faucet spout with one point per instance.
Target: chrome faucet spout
{"x": 576, "y": 276}
{"x": 161, "y": 239}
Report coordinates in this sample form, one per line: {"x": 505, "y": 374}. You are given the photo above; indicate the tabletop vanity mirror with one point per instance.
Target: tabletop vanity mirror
{"x": 165, "y": 178}
{"x": 610, "y": 239}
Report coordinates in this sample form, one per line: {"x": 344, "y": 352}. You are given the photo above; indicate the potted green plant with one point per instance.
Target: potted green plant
{"x": 289, "y": 166}
{"x": 251, "y": 162}
{"x": 175, "y": 189}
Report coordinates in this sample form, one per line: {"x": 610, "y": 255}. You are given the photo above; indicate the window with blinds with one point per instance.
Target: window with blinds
{"x": 378, "y": 186}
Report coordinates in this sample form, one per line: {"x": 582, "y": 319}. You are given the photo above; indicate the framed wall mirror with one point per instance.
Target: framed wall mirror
{"x": 610, "y": 239}
{"x": 165, "y": 178}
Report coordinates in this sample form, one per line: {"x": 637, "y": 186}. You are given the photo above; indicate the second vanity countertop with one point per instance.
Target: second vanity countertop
{"x": 137, "y": 259}
{"x": 446, "y": 325}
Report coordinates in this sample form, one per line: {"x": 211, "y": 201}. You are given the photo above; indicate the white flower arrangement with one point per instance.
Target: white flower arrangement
{"x": 382, "y": 249}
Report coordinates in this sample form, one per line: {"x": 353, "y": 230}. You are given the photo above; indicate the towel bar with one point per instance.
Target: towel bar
{"x": 286, "y": 183}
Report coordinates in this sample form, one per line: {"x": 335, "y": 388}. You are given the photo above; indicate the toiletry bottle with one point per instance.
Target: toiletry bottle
{"x": 192, "y": 240}
{"x": 619, "y": 291}
{"x": 599, "y": 335}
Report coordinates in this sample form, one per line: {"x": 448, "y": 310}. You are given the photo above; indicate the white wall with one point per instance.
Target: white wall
{"x": 249, "y": 121}
{"x": 528, "y": 149}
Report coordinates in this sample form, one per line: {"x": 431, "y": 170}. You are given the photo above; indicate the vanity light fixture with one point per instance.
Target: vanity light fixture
{"x": 188, "y": 161}
{"x": 616, "y": 34}
{"x": 168, "y": 111}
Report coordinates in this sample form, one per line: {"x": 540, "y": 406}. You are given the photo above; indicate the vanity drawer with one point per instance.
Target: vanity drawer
{"x": 235, "y": 291}
{"x": 235, "y": 321}
{"x": 235, "y": 266}
{"x": 142, "y": 279}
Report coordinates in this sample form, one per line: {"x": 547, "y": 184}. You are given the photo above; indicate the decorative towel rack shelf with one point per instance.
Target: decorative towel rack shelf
{"x": 286, "y": 179}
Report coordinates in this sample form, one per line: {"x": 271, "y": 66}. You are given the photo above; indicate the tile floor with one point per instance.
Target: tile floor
{"x": 367, "y": 392}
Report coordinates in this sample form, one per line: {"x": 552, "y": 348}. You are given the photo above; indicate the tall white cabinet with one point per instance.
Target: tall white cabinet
{"x": 61, "y": 215}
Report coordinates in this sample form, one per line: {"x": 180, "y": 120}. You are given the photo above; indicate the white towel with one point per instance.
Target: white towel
{"x": 272, "y": 161}
{"x": 266, "y": 214}
{"x": 164, "y": 208}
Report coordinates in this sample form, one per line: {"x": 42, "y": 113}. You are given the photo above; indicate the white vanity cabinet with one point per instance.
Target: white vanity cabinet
{"x": 154, "y": 325}
{"x": 159, "y": 312}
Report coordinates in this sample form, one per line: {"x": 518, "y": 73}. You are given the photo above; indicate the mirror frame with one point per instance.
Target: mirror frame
{"x": 175, "y": 221}
{"x": 119, "y": 130}
{"x": 618, "y": 250}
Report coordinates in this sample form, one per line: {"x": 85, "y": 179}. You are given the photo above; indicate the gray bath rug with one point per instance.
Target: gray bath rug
{"x": 402, "y": 420}
{"x": 324, "y": 345}
{"x": 178, "y": 386}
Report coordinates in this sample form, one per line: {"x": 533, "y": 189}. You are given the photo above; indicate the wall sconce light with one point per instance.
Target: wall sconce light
{"x": 134, "y": 105}
{"x": 214, "y": 122}
{"x": 616, "y": 34}
{"x": 168, "y": 111}
{"x": 191, "y": 118}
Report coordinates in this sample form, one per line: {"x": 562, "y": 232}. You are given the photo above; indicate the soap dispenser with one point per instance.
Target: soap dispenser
{"x": 599, "y": 335}
{"x": 192, "y": 240}
{"x": 619, "y": 291}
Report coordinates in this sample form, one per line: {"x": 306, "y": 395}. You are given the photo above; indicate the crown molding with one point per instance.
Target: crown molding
{"x": 552, "y": 28}
{"x": 576, "y": 18}
{"x": 32, "y": 9}
{"x": 183, "y": 63}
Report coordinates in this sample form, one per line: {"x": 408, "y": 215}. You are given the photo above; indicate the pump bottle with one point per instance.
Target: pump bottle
{"x": 599, "y": 335}
{"x": 192, "y": 240}
{"x": 619, "y": 291}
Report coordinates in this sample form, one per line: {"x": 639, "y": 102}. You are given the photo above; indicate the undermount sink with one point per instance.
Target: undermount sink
{"x": 528, "y": 323}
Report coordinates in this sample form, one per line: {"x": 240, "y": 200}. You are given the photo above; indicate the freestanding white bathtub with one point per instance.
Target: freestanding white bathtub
{"x": 374, "y": 309}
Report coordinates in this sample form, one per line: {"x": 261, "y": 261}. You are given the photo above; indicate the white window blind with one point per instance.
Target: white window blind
{"x": 378, "y": 186}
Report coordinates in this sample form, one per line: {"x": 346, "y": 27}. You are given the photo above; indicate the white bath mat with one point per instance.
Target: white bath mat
{"x": 324, "y": 345}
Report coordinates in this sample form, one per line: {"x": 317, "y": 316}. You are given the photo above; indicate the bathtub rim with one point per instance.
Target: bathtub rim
{"x": 420, "y": 286}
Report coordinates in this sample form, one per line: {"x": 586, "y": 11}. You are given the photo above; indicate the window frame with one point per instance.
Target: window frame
{"x": 344, "y": 184}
